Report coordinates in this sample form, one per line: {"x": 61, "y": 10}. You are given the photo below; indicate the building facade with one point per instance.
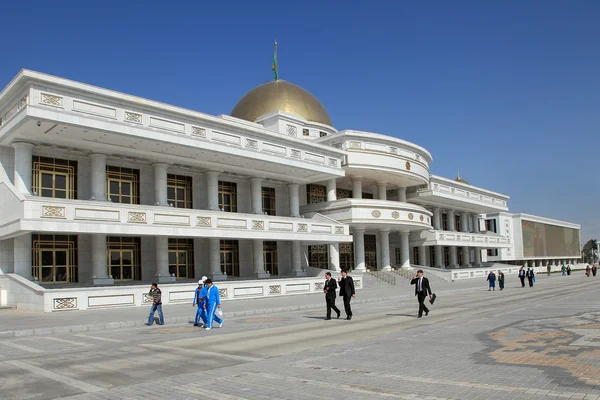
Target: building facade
{"x": 103, "y": 188}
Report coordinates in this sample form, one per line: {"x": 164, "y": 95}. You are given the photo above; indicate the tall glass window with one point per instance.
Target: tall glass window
{"x": 124, "y": 258}
{"x": 181, "y": 258}
{"x": 347, "y": 256}
{"x": 318, "y": 256}
{"x": 179, "y": 191}
{"x": 268, "y": 200}
{"x": 315, "y": 194}
{"x": 123, "y": 185}
{"x": 270, "y": 257}
{"x": 230, "y": 257}
{"x": 53, "y": 177}
{"x": 55, "y": 258}
{"x": 228, "y": 196}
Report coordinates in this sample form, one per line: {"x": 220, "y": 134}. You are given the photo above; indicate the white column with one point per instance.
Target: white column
{"x": 451, "y": 220}
{"x": 212, "y": 192}
{"x": 331, "y": 187}
{"x": 453, "y": 258}
{"x": 357, "y": 188}
{"x": 439, "y": 257}
{"x": 359, "y": 250}
{"x": 214, "y": 260}
{"x": 334, "y": 257}
{"x": 22, "y": 255}
{"x": 423, "y": 255}
{"x": 464, "y": 222}
{"x": 259, "y": 260}
{"x": 256, "y": 195}
{"x": 297, "y": 259}
{"x": 437, "y": 218}
{"x": 384, "y": 246}
{"x": 401, "y": 194}
{"x": 382, "y": 190}
{"x": 98, "y": 177}
{"x": 294, "y": 200}
{"x": 465, "y": 255}
{"x": 160, "y": 183}
{"x": 475, "y": 218}
{"x": 161, "y": 249}
{"x": 477, "y": 262}
{"x": 404, "y": 251}
{"x": 99, "y": 256}
{"x": 23, "y": 168}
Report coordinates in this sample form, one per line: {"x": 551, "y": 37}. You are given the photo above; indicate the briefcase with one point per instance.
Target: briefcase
{"x": 433, "y": 297}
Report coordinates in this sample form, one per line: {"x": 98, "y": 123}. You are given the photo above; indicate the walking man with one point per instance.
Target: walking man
{"x": 522, "y": 276}
{"x": 347, "y": 292}
{"x": 421, "y": 290}
{"x": 492, "y": 281}
{"x": 548, "y": 269}
{"x": 329, "y": 289}
{"x": 530, "y": 276}
{"x": 212, "y": 302}
{"x": 501, "y": 279}
{"x": 199, "y": 296}
{"x": 156, "y": 305}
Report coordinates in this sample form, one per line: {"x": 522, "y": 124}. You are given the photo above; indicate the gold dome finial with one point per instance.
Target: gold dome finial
{"x": 459, "y": 179}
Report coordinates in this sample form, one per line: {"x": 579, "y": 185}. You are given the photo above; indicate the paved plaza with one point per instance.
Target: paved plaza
{"x": 522, "y": 343}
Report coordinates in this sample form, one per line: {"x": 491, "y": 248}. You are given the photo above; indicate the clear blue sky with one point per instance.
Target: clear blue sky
{"x": 507, "y": 91}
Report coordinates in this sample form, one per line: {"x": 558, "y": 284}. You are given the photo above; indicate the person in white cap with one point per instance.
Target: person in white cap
{"x": 199, "y": 296}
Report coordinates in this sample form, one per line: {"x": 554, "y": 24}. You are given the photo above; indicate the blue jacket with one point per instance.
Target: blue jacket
{"x": 199, "y": 295}
{"x": 212, "y": 295}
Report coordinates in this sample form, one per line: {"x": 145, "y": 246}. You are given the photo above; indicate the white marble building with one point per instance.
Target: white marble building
{"x": 103, "y": 190}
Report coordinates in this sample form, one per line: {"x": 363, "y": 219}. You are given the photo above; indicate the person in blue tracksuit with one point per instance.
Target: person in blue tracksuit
{"x": 212, "y": 301}
{"x": 199, "y": 296}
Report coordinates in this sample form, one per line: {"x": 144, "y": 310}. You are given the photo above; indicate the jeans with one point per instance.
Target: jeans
{"x": 153, "y": 309}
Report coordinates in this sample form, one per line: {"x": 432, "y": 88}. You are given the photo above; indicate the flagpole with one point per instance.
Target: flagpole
{"x": 276, "y": 61}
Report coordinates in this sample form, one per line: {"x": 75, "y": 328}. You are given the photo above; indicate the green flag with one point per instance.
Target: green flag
{"x": 274, "y": 65}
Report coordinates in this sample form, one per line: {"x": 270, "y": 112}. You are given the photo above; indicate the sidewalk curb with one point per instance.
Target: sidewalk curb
{"x": 173, "y": 320}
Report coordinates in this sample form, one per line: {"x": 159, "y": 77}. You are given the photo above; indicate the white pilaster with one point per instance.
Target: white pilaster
{"x": 453, "y": 259}
{"x": 256, "y": 195}
{"x": 22, "y": 255}
{"x": 423, "y": 255}
{"x": 401, "y": 194}
{"x": 451, "y": 221}
{"x": 297, "y": 259}
{"x": 334, "y": 257}
{"x": 212, "y": 192}
{"x": 359, "y": 250}
{"x": 404, "y": 251}
{"x": 99, "y": 268}
{"x": 160, "y": 183}
{"x": 331, "y": 190}
{"x": 464, "y": 222}
{"x": 384, "y": 246}
{"x": 465, "y": 255}
{"x": 98, "y": 177}
{"x": 294, "y": 199}
{"x": 214, "y": 258}
{"x": 23, "y": 168}
{"x": 161, "y": 248}
{"x": 259, "y": 260}
{"x": 477, "y": 261}
{"x": 357, "y": 188}
{"x": 439, "y": 257}
{"x": 382, "y": 190}
{"x": 437, "y": 218}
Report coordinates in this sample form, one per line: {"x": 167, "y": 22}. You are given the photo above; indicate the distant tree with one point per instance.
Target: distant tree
{"x": 587, "y": 250}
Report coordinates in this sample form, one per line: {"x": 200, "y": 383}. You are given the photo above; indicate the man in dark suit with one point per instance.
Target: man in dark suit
{"x": 421, "y": 290}
{"x": 329, "y": 289}
{"x": 347, "y": 292}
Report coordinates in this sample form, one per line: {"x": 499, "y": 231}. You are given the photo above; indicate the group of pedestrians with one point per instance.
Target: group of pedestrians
{"x": 492, "y": 280}
{"x": 591, "y": 270}
{"x": 347, "y": 293}
{"x": 207, "y": 301}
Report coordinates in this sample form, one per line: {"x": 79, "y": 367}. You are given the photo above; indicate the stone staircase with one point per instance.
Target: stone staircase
{"x": 379, "y": 279}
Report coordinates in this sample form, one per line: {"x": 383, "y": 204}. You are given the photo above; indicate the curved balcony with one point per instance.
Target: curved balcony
{"x": 374, "y": 214}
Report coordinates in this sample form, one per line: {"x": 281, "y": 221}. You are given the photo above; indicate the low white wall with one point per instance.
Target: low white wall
{"x": 30, "y": 296}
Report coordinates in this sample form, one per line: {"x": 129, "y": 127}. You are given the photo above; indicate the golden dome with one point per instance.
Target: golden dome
{"x": 283, "y": 96}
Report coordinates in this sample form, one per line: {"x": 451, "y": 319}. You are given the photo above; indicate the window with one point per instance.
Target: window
{"x": 318, "y": 256}
{"x": 343, "y": 194}
{"x": 415, "y": 251}
{"x": 457, "y": 226}
{"x": 432, "y": 260}
{"x": 268, "y": 200}
{"x": 492, "y": 252}
{"x": 315, "y": 194}
{"x": 228, "y": 196}
{"x": 53, "y": 177}
{"x": 347, "y": 256}
{"x": 181, "y": 258}
{"x": 179, "y": 191}
{"x": 230, "y": 257}
{"x": 55, "y": 258}
{"x": 123, "y": 185}
{"x": 371, "y": 252}
{"x": 446, "y": 255}
{"x": 398, "y": 257}
{"x": 321, "y": 134}
{"x": 124, "y": 258}
{"x": 305, "y": 132}
{"x": 367, "y": 195}
{"x": 490, "y": 225}
{"x": 270, "y": 257}
{"x": 444, "y": 222}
